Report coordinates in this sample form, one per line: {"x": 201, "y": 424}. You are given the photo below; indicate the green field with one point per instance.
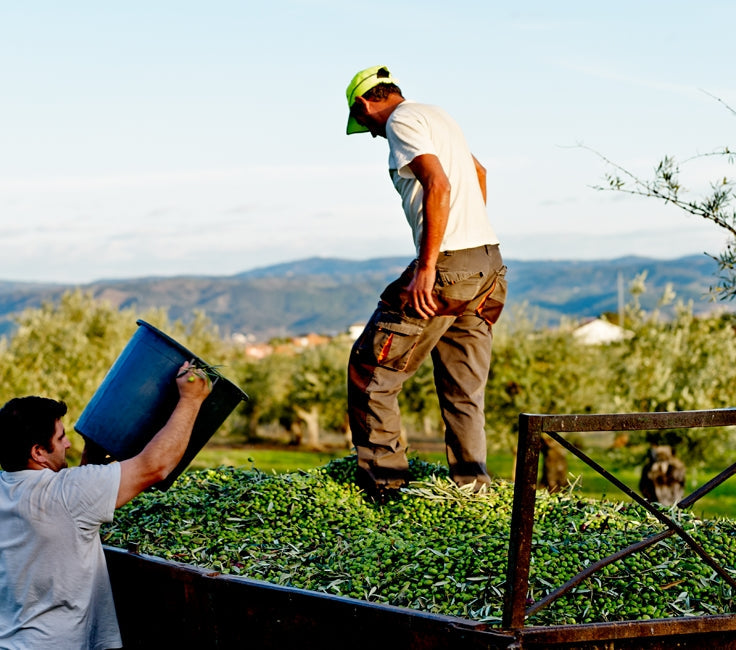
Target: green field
{"x": 721, "y": 502}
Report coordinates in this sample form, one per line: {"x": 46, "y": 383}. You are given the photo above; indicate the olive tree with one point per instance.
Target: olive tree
{"x": 319, "y": 389}
{"x": 688, "y": 362}
{"x": 681, "y": 363}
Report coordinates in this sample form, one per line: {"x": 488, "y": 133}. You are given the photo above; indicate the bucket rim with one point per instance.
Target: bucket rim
{"x": 170, "y": 340}
{"x": 188, "y": 353}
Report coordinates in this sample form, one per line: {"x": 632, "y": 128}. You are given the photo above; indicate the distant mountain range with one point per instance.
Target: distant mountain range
{"x": 325, "y": 295}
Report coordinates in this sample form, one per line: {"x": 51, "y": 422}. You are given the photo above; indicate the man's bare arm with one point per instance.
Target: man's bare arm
{"x": 429, "y": 172}
{"x": 163, "y": 453}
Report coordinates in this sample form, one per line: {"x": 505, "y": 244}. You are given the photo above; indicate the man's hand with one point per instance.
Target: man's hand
{"x": 193, "y": 383}
{"x": 420, "y": 291}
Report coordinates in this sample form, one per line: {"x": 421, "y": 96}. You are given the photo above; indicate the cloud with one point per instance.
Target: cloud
{"x": 198, "y": 177}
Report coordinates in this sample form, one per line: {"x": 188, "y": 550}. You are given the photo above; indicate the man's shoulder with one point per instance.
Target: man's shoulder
{"x": 409, "y": 106}
{"x": 26, "y": 476}
{"x": 86, "y": 476}
{"x": 92, "y": 470}
{"x": 46, "y": 474}
{"x": 411, "y": 114}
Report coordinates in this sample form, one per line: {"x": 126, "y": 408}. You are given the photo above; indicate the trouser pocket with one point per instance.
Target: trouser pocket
{"x": 390, "y": 343}
{"x": 454, "y": 290}
{"x": 491, "y": 305}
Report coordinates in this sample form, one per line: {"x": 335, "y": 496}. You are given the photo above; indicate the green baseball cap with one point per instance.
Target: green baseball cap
{"x": 361, "y": 84}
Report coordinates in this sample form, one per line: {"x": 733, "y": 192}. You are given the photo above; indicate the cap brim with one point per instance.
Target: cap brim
{"x": 355, "y": 127}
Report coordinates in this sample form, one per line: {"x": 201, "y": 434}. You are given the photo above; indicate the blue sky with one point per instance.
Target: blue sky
{"x": 168, "y": 138}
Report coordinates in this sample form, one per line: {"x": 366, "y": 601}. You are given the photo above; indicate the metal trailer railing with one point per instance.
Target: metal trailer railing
{"x": 721, "y": 630}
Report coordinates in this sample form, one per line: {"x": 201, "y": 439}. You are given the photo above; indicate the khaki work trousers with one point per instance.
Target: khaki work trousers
{"x": 470, "y": 290}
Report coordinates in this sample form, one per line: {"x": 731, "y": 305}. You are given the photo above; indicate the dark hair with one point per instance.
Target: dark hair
{"x": 25, "y": 422}
{"x": 381, "y": 92}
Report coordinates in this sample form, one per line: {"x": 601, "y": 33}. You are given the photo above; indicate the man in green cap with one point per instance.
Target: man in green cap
{"x": 445, "y": 302}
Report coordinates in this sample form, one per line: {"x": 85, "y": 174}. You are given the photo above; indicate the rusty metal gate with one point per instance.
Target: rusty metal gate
{"x": 720, "y": 631}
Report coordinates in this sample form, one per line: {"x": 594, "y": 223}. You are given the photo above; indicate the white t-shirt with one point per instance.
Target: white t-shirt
{"x": 415, "y": 129}
{"x": 54, "y": 587}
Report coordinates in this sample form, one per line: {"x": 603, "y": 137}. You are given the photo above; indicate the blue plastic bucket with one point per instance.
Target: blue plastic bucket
{"x": 139, "y": 393}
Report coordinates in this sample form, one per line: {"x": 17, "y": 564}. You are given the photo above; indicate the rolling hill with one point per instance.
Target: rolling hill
{"x": 326, "y": 295}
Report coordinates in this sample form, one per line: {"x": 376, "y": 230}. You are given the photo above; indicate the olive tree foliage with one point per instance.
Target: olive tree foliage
{"x": 541, "y": 371}
{"x": 684, "y": 362}
{"x": 319, "y": 392}
{"x": 267, "y": 382}
{"x": 717, "y": 205}
{"x": 303, "y": 392}
{"x": 63, "y": 349}
{"x": 687, "y": 362}
{"x": 677, "y": 364}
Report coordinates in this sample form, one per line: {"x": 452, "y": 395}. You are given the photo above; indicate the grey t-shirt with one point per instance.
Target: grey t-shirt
{"x": 54, "y": 588}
